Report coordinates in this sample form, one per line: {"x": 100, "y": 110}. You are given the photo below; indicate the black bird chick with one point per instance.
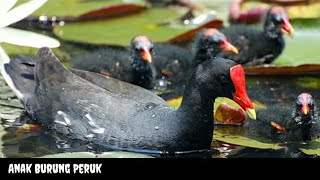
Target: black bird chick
{"x": 285, "y": 124}
{"x": 176, "y": 63}
{"x": 133, "y": 65}
{"x": 259, "y": 46}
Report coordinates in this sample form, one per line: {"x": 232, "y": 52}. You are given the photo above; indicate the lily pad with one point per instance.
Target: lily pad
{"x": 74, "y": 8}
{"x": 313, "y": 148}
{"x": 226, "y": 114}
{"x": 13, "y": 50}
{"x": 176, "y": 102}
{"x": 304, "y": 11}
{"x": 304, "y": 69}
{"x": 309, "y": 82}
{"x": 301, "y": 49}
{"x": 311, "y": 151}
{"x": 150, "y": 22}
{"x": 243, "y": 141}
{"x": 92, "y": 155}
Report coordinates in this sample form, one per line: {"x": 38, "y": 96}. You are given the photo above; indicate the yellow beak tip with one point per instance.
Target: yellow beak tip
{"x": 251, "y": 113}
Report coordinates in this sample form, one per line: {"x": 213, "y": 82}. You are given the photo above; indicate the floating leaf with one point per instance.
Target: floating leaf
{"x": 238, "y": 12}
{"x": 175, "y": 102}
{"x": 102, "y": 32}
{"x": 311, "y": 151}
{"x": 310, "y": 11}
{"x": 301, "y": 49}
{"x": 243, "y": 141}
{"x": 309, "y": 82}
{"x": 75, "y": 8}
{"x": 306, "y": 69}
{"x": 226, "y": 114}
{"x": 103, "y": 155}
{"x": 13, "y": 50}
{"x": 313, "y": 147}
{"x": 112, "y": 11}
{"x": 26, "y": 38}
{"x": 291, "y": 2}
{"x": 191, "y": 33}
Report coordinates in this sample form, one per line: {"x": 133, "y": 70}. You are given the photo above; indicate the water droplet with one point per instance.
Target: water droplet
{"x": 156, "y": 127}
{"x": 153, "y": 115}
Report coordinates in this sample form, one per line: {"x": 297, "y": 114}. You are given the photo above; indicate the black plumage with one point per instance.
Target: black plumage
{"x": 259, "y": 46}
{"x": 176, "y": 63}
{"x": 24, "y": 66}
{"x": 78, "y": 109}
{"x": 133, "y": 65}
{"x": 297, "y": 123}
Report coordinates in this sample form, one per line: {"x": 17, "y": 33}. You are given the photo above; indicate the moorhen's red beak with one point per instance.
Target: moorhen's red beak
{"x": 228, "y": 47}
{"x": 305, "y": 109}
{"x": 146, "y": 55}
{"x": 287, "y": 28}
{"x": 240, "y": 96}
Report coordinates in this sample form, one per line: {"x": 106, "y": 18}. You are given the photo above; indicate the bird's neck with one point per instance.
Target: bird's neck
{"x": 204, "y": 52}
{"x": 143, "y": 74}
{"x": 197, "y": 103}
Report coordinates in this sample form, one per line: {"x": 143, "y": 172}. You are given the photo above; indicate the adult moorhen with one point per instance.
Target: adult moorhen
{"x": 78, "y": 109}
{"x": 256, "y": 46}
{"x": 175, "y": 62}
{"x": 285, "y": 124}
{"x": 133, "y": 66}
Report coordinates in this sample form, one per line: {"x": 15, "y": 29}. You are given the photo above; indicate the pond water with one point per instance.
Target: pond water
{"x": 268, "y": 90}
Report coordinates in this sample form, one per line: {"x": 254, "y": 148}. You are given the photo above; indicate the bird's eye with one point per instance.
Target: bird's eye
{"x": 299, "y": 102}
{"x": 310, "y": 101}
{"x": 216, "y": 38}
{"x": 151, "y": 49}
{"x": 278, "y": 17}
{"x": 223, "y": 79}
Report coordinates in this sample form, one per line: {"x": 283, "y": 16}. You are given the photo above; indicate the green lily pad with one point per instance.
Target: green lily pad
{"x": 120, "y": 31}
{"x": 62, "y": 8}
{"x": 175, "y": 103}
{"x": 13, "y": 50}
{"x": 103, "y": 155}
{"x": 309, "y": 82}
{"x": 311, "y": 151}
{"x": 313, "y": 147}
{"x": 303, "y": 48}
{"x": 244, "y": 141}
